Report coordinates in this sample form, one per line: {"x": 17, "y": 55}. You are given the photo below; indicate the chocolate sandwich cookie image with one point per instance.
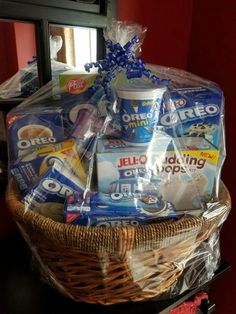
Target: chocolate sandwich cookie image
{"x": 158, "y": 204}
{"x": 194, "y": 111}
{"x": 120, "y": 204}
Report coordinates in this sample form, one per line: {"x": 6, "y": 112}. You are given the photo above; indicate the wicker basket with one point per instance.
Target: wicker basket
{"x": 111, "y": 265}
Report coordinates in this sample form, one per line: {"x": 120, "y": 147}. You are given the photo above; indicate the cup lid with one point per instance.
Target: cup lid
{"x": 135, "y": 91}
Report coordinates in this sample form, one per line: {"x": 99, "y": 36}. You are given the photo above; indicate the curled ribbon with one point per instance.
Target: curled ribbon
{"x": 117, "y": 59}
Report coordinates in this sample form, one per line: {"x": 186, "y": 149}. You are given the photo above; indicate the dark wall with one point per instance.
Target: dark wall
{"x": 212, "y": 54}
{"x": 169, "y": 25}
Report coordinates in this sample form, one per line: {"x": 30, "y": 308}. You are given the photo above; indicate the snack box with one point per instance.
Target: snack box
{"x": 44, "y": 122}
{"x": 195, "y": 112}
{"x": 33, "y": 126}
{"x": 74, "y": 82}
{"x": 182, "y": 171}
{"x": 50, "y": 192}
{"x": 116, "y": 209}
{"x": 28, "y": 169}
{"x": 80, "y": 102}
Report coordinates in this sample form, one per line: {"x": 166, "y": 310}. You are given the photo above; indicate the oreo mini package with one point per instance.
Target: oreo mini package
{"x": 101, "y": 209}
{"x": 194, "y": 112}
{"x": 29, "y": 168}
{"x": 29, "y": 128}
{"x": 51, "y": 191}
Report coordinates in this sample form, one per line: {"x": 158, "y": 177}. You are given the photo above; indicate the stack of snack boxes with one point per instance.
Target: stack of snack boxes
{"x": 180, "y": 162}
{"x": 178, "y": 165}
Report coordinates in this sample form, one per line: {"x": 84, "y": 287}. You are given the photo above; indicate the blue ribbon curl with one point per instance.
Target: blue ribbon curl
{"x": 117, "y": 59}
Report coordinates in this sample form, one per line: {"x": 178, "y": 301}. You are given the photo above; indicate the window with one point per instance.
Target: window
{"x": 88, "y": 17}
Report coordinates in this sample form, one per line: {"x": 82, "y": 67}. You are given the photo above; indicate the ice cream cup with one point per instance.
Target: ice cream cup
{"x": 139, "y": 112}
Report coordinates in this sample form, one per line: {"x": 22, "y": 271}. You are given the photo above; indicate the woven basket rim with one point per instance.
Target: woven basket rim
{"x": 73, "y": 235}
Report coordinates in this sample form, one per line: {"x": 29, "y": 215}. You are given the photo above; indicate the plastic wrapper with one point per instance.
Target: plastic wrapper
{"x": 127, "y": 172}
{"x": 25, "y": 82}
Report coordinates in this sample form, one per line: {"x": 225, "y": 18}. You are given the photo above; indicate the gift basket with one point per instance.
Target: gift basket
{"x": 116, "y": 189}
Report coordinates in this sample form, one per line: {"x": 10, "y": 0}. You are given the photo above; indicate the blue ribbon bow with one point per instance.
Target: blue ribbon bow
{"x": 117, "y": 59}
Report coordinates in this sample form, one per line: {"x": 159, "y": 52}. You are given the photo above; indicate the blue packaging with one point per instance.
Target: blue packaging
{"x": 32, "y": 127}
{"x": 73, "y": 104}
{"x": 88, "y": 114}
{"x": 29, "y": 168}
{"x": 46, "y": 122}
{"x": 89, "y": 220}
{"x": 194, "y": 112}
{"x": 54, "y": 187}
{"x": 139, "y": 112}
{"x": 96, "y": 206}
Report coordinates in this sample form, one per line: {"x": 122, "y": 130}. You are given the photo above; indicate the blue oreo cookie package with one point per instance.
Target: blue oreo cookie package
{"x": 194, "y": 112}
{"x": 89, "y": 113}
{"x": 32, "y": 128}
{"x": 115, "y": 209}
{"x": 89, "y": 220}
{"x": 73, "y": 104}
{"x": 53, "y": 188}
{"x": 49, "y": 121}
{"x": 28, "y": 169}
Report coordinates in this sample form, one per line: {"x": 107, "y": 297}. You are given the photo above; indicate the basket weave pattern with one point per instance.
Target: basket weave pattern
{"x": 111, "y": 265}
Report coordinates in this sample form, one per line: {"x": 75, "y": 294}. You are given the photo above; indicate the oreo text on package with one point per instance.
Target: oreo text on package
{"x": 29, "y": 168}
{"x": 54, "y": 187}
{"x": 32, "y": 128}
{"x": 194, "y": 112}
{"x": 139, "y": 112}
{"x": 116, "y": 209}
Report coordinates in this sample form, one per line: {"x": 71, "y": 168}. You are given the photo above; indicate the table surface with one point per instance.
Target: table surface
{"x": 22, "y": 291}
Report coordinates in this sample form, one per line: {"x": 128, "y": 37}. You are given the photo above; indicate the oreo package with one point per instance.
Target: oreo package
{"x": 90, "y": 220}
{"x": 95, "y": 208}
{"x": 53, "y": 188}
{"x": 29, "y": 128}
{"x": 29, "y": 168}
{"x": 77, "y": 106}
{"x": 47, "y": 122}
{"x": 195, "y": 112}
